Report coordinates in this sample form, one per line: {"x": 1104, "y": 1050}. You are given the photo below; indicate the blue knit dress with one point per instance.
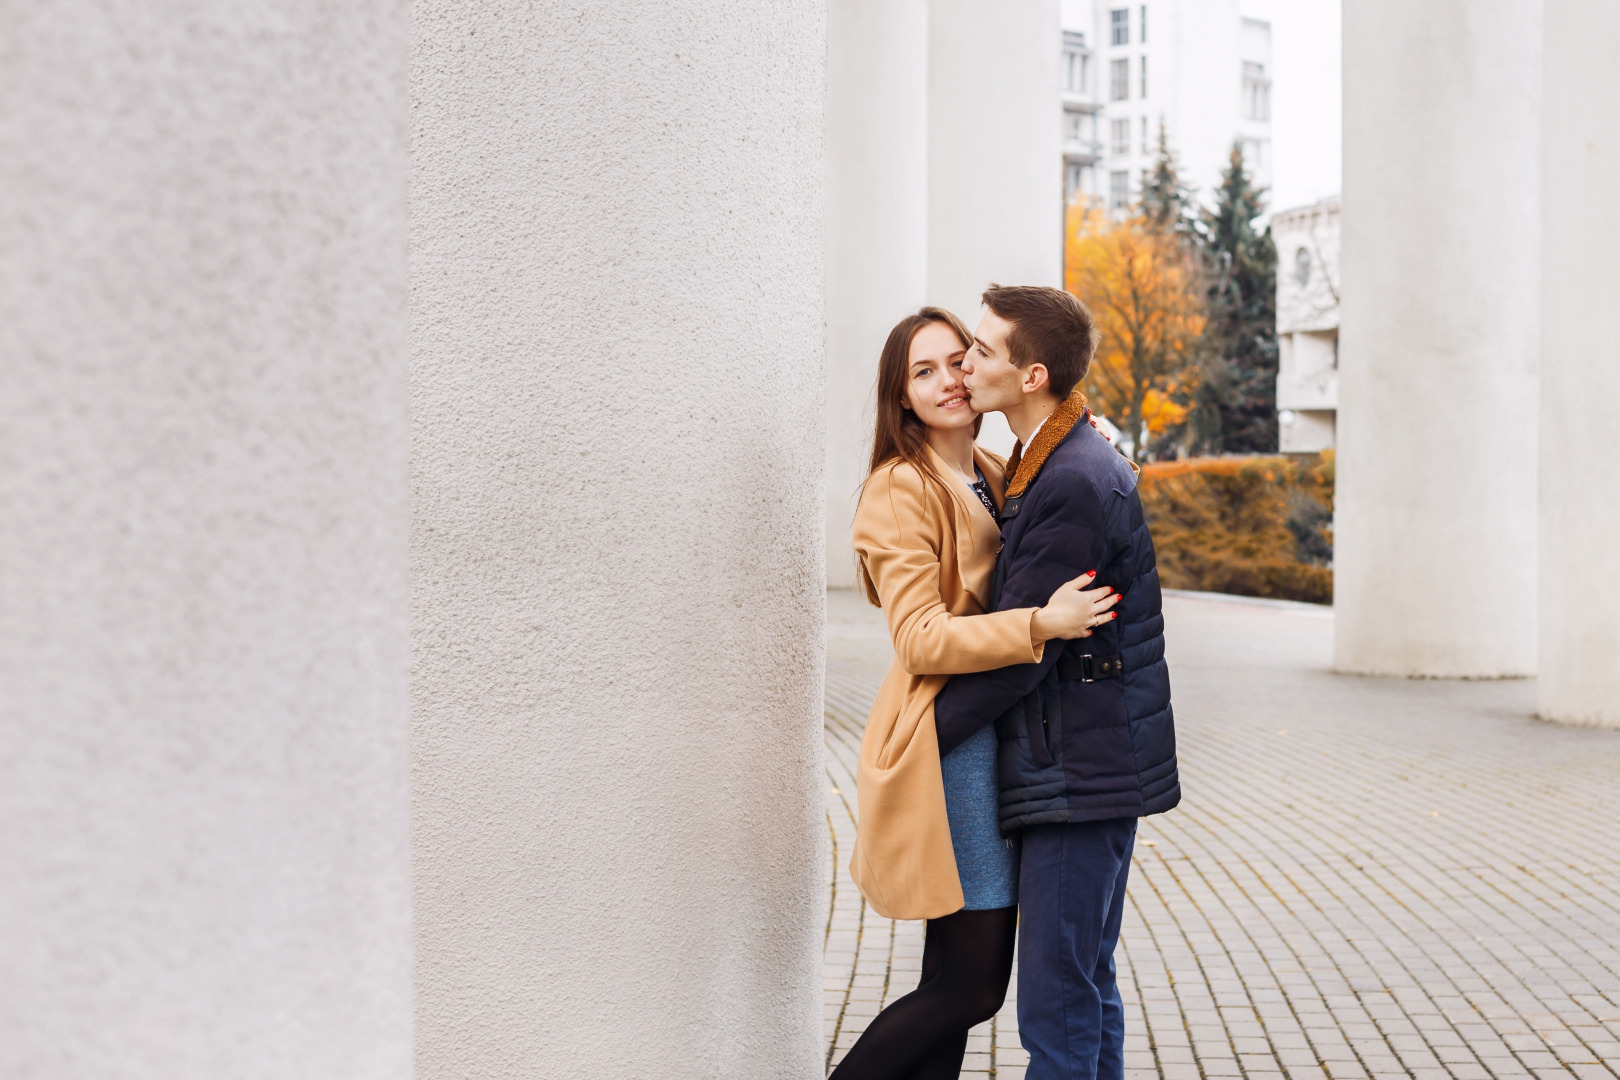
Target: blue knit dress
{"x": 986, "y": 864}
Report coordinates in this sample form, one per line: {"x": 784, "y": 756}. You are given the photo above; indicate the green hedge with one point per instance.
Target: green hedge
{"x": 1255, "y": 526}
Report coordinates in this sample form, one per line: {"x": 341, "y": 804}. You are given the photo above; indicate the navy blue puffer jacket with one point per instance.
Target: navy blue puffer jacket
{"x": 1072, "y": 750}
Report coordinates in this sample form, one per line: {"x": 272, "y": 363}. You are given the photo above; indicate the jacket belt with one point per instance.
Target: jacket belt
{"x": 1089, "y": 668}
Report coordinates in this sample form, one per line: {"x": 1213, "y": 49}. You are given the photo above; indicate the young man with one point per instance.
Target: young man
{"x": 1087, "y": 741}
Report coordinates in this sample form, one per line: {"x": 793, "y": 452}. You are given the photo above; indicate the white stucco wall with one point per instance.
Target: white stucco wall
{"x": 1314, "y": 230}
{"x": 204, "y": 860}
{"x": 943, "y": 175}
{"x": 1439, "y": 338}
{"x": 617, "y": 545}
{"x": 995, "y": 178}
{"x": 1580, "y": 379}
{"x": 877, "y": 227}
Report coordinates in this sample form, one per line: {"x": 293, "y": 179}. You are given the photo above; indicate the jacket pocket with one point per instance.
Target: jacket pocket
{"x": 1040, "y": 750}
{"x": 1052, "y": 716}
{"x": 1043, "y": 716}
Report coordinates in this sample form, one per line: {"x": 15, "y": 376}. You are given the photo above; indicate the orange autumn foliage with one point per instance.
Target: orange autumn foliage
{"x": 1256, "y": 526}
{"x": 1142, "y": 287}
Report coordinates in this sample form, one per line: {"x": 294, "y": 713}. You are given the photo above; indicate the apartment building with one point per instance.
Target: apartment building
{"x": 1201, "y": 68}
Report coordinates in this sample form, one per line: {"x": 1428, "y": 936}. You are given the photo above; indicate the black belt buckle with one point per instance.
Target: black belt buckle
{"x": 1089, "y": 668}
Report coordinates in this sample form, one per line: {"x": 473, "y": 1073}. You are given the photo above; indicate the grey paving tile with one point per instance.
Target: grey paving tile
{"x": 1416, "y": 880}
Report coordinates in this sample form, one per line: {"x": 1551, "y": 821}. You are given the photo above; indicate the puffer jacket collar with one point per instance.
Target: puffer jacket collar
{"x": 1022, "y": 468}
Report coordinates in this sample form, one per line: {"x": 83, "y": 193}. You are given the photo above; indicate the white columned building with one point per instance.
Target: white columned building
{"x": 204, "y": 816}
{"x": 995, "y": 181}
{"x": 1307, "y": 243}
{"x": 1435, "y": 547}
{"x": 943, "y": 175}
{"x": 1580, "y": 375}
{"x": 617, "y": 546}
{"x": 877, "y": 227}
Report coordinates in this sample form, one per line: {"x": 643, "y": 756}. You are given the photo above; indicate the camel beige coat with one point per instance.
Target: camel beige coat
{"x": 926, "y": 557}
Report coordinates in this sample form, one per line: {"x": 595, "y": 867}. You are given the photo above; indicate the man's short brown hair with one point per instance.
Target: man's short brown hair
{"x": 1049, "y": 327}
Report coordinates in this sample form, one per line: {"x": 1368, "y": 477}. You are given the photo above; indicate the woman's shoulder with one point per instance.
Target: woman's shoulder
{"x": 896, "y": 469}
{"x": 897, "y": 475}
{"x": 899, "y": 489}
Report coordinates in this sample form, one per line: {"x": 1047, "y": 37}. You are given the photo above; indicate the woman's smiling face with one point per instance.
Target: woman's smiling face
{"x": 934, "y": 389}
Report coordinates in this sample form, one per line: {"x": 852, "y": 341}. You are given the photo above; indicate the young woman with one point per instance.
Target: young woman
{"x": 928, "y": 845}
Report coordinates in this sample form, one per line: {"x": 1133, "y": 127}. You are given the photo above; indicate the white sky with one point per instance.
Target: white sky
{"x": 1305, "y": 100}
{"x": 1306, "y": 121}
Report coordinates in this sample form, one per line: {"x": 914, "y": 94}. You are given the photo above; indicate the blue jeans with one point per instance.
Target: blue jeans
{"x": 1071, "y": 895}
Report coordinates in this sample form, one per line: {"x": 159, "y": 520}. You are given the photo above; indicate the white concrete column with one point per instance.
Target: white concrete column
{"x": 995, "y": 161}
{"x": 877, "y": 227}
{"x": 1580, "y": 375}
{"x": 204, "y": 845}
{"x": 1435, "y": 529}
{"x": 617, "y": 542}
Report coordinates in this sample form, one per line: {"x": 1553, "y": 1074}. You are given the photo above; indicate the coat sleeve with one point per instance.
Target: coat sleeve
{"x": 1062, "y": 541}
{"x": 898, "y": 535}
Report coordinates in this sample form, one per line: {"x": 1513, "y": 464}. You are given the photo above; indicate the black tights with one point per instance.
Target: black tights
{"x": 967, "y": 960}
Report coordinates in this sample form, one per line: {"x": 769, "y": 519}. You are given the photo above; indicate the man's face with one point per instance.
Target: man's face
{"x": 992, "y": 380}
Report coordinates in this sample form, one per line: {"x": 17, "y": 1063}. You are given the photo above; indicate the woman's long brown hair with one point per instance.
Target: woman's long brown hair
{"x": 899, "y": 433}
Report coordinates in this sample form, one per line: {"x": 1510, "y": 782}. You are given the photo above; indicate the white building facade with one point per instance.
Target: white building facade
{"x": 1440, "y": 344}
{"x": 1200, "y": 68}
{"x": 1082, "y": 145}
{"x": 411, "y": 606}
{"x": 943, "y": 123}
{"x": 1307, "y": 240}
{"x": 411, "y": 603}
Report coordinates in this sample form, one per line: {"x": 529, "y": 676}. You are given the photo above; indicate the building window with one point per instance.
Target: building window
{"x": 1119, "y": 80}
{"x": 1119, "y": 27}
{"x": 1120, "y": 141}
{"x": 1075, "y": 73}
{"x": 1143, "y": 64}
{"x": 1302, "y": 267}
{"x": 1147, "y": 145}
{"x": 1074, "y": 180}
{"x": 1254, "y": 156}
{"x": 1141, "y": 26}
{"x": 1256, "y": 92}
{"x": 1119, "y": 190}
{"x": 1079, "y": 127}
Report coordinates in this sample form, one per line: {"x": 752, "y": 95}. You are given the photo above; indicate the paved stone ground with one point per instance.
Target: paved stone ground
{"x": 1366, "y": 877}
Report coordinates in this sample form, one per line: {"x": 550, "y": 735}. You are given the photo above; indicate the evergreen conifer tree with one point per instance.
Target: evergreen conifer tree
{"x": 1166, "y": 202}
{"x": 1237, "y": 407}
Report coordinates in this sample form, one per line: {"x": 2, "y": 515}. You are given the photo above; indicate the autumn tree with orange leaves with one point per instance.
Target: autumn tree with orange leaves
{"x": 1142, "y": 286}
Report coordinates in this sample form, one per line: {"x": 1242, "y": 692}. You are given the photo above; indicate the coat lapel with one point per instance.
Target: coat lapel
{"x": 978, "y": 537}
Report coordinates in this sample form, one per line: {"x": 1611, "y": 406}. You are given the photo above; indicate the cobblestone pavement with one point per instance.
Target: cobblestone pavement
{"x": 1365, "y": 878}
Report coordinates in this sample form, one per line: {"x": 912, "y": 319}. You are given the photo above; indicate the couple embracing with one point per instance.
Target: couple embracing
{"x": 1025, "y": 723}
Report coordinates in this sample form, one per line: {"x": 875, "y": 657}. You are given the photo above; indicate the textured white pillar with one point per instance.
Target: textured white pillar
{"x": 877, "y": 227}
{"x": 995, "y": 162}
{"x": 1435, "y": 541}
{"x": 204, "y": 845}
{"x": 617, "y": 540}
{"x": 1580, "y": 376}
